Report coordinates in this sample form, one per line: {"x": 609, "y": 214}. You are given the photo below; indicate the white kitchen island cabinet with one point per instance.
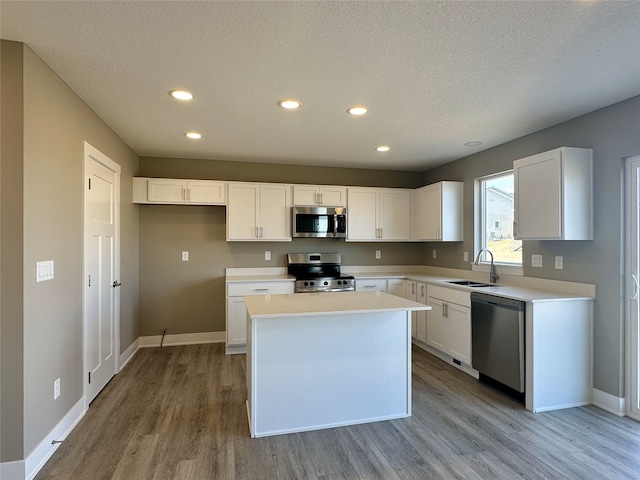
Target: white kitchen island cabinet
{"x": 324, "y": 360}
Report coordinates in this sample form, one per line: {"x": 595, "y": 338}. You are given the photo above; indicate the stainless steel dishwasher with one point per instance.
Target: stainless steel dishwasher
{"x": 497, "y": 339}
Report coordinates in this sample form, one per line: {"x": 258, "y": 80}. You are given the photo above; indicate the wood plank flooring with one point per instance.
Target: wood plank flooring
{"x": 179, "y": 413}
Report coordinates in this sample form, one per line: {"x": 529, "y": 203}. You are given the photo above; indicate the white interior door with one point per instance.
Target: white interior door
{"x": 101, "y": 265}
{"x": 633, "y": 289}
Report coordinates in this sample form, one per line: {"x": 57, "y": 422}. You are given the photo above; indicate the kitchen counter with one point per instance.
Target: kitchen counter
{"x": 325, "y": 360}
{"x": 327, "y": 303}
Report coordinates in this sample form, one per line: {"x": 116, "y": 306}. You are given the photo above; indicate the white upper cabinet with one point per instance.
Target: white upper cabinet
{"x": 438, "y": 212}
{"x": 378, "y": 214}
{"x": 178, "y": 191}
{"x": 554, "y": 195}
{"x": 259, "y": 212}
{"x": 326, "y": 195}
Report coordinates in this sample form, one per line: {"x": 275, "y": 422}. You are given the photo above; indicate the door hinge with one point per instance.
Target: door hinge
{"x": 89, "y": 280}
{"x": 89, "y": 184}
{"x": 89, "y": 377}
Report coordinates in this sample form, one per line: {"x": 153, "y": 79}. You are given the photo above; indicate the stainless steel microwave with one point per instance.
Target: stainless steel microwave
{"x": 319, "y": 222}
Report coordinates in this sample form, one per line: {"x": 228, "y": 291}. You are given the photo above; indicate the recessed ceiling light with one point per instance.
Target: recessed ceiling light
{"x": 181, "y": 94}
{"x": 383, "y": 148}
{"x": 194, "y": 135}
{"x": 289, "y": 104}
{"x": 357, "y": 110}
{"x": 473, "y": 144}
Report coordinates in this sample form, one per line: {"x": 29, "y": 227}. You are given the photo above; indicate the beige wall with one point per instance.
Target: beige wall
{"x": 11, "y": 301}
{"x": 188, "y": 297}
{"x": 55, "y": 125}
{"x": 613, "y": 133}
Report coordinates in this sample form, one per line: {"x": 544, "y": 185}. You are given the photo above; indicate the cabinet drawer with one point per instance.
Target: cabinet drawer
{"x": 450, "y": 295}
{"x": 258, "y": 288}
{"x": 374, "y": 284}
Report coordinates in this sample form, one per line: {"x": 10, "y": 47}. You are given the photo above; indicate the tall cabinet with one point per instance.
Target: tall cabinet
{"x": 554, "y": 195}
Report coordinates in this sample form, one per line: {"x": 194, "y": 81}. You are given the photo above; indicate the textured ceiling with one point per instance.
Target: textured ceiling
{"x": 434, "y": 74}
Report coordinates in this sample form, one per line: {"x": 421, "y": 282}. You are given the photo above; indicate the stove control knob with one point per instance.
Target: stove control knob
{"x": 339, "y": 282}
{"x": 312, "y": 283}
{"x": 326, "y": 283}
{"x": 306, "y": 284}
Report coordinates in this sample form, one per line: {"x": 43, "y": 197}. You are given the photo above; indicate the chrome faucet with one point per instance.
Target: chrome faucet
{"x": 493, "y": 276}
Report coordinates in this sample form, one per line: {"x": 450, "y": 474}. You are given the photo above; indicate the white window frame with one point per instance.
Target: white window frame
{"x": 479, "y": 239}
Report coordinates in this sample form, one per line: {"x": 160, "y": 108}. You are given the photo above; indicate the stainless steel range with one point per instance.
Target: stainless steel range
{"x": 319, "y": 272}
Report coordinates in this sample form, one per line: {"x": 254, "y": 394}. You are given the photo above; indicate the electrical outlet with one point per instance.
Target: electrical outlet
{"x": 267, "y": 255}
{"x": 466, "y": 256}
{"x": 536, "y": 261}
{"x": 56, "y": 389}
{"x": 378, "y": 255}
{"x": 559, "y": 263}
{"x": 434, "y": 254}
{"x": 185, "y": 256}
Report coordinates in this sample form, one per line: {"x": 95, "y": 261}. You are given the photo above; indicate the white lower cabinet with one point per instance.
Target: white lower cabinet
{"x": 236, "y": 313}
{"x": 449, "y": 322}
{"x": 410, "y": 293}
{"x": 421, "y": 316}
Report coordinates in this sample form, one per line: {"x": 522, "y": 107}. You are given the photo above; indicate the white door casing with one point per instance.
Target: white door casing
{"x": 101, "y": 298}
{"x": 632, "y": 295}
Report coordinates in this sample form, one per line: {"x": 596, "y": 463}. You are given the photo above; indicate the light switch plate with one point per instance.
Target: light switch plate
{"x": 185, "y": 256}
{"x": 56, "y": 388}
{"x": 536, "y": 261}
{"x": 559, "y": 263}
{"x": 44, "y": 271}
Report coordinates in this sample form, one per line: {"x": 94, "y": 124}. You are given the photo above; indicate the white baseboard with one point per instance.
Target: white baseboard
{"x": 128, "y": 354}
{"x": 608, "y": 402}
{"x": 182, "y": 339}
{"x": 12, "y": 470}
{"x": 43, "y": 451}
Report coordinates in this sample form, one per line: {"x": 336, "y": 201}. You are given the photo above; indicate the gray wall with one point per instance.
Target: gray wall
{"x": 188, "y": 297}
{"x": 55, "y": 124}
{"x": 11, "y": 301}
{"x": 613, "y": 133}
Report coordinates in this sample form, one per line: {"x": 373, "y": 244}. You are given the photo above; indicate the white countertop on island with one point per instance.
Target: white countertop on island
{"x": 327, "y": 303}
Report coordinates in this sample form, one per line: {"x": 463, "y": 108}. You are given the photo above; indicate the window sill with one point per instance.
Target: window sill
{"x": 501, "y": 269}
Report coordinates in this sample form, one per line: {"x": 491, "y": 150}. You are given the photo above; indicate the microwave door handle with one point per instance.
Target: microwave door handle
{"x": 335, "y": 224}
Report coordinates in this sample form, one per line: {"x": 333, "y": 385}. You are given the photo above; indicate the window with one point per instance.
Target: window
{"x": 496, "y": 220}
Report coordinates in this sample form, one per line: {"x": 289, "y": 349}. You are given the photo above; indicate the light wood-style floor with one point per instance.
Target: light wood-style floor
{"x": 179, "y": 413}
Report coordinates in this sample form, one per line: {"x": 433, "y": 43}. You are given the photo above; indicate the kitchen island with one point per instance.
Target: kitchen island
{"x": 323, "y": 360}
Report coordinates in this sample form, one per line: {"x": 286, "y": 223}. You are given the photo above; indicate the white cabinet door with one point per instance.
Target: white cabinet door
{"x": 553, "y": 197}
{"x": 396, "y": 287}
{"x": 438, "y": 331}
{"x": 459, "y": 318}
{"x": 333, "y": 196}
{"x": 305, "y": 195}
{"x": 362, "y": 214}
{"x": 429, "y": 212}
{"x": 411, "y": 293}
{"x": 236, "y": 321}
{"x": 205, "y": 192}
{"x": 166, "y": 190}
{"x": 394, "y": 210}
{"x": 421, "y": 317}
{"x": 275, "y": 212}
{"x": 439, "y": 212}
{"x": 242, "y": 211}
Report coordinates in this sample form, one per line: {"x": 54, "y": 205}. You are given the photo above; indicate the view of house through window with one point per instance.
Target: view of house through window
{"x": 496, "y": 219}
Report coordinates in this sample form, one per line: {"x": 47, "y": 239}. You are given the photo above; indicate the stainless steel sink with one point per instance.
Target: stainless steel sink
{"x": 469, "y": 283}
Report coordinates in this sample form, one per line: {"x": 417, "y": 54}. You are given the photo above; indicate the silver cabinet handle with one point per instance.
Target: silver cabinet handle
{"x": 260, "y": 289}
